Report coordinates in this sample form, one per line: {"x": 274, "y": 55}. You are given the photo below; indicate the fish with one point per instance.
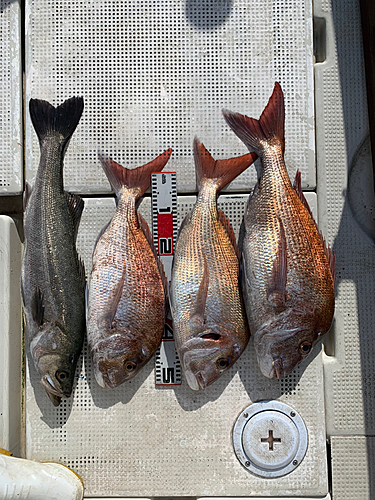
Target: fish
{"x": 209, "y": 320}
{"x": 127, "y": 291}
{"x": 288, "y": 275}
{"x": 52, "y": 275}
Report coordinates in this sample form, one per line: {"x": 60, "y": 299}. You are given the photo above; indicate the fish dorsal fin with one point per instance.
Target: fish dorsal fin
{"x": 75, "y": 205}
{"x": 37, "y": 306}
{"x": 330, "y": 254}
{"x": 139, "y": 177}
{"x": 298, "y": 189}
{"x": 26, "y": 195}
{"x": 229, "y": 230}
{"x": 276, "y": 291}
{"x": 222, "y": 170}
{"x": 270, "y": 125}
{"x": 82, "y": 271}
{"x": 327, "y": 250}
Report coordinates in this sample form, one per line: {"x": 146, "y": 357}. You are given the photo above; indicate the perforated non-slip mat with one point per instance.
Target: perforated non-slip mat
{"x": 139, "y": 440}
{"x": 155, "y": 74}
{"x": 11, "y": 148}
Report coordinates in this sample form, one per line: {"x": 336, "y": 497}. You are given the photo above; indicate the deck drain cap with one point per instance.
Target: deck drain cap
{"x": 270, "y": 439}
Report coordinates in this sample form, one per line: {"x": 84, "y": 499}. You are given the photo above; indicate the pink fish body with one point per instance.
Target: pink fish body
{"x": 289, "y": 273}
{"x": 126, "y": 304}
{"x": 209, "y": 318}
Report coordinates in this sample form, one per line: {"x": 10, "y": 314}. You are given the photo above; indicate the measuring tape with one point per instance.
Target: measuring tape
{"x": 164, "y": 227}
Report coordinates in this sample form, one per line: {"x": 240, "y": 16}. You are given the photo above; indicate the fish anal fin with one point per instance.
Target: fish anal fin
{"x": 75, "y": 205}
{"x": 270, "y": 125}
{"x": 276, "y": 291}
{"x": 37, "y": 306}
{"x": 101, "y": 232}
{"x": 139, "y": 177}
{"x": 229, "y": 230}
{"x": 222, "y": 170}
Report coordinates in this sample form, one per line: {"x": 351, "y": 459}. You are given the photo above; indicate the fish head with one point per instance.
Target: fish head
{"x": 55, "y": 361}
{"x": 282, "y": 343}
{"x": 206, "y": 356}
{"x": 118, "y": 358}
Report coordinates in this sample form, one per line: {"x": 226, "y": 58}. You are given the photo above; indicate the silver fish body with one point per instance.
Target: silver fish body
{"x": 52, "y": 278}
{"x": 126, "y": 305}
{"x": 208, "y": 315}
{"x": 289, "y": 272}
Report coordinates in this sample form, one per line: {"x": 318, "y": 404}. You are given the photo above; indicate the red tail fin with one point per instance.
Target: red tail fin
{"x": 223, "y": 170}
{"x": 120, "y": 177}
{"x": 269, "y": 126}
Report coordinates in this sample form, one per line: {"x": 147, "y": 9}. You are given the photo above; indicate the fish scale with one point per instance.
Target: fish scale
{"x": 289, "y": 272}
{"x": 52, "y": 279}
{"x": 209, "y": 319}
{"x": 126, "y": 304}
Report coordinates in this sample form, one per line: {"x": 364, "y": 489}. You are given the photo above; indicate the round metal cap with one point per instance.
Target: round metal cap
{"x": 270, "y": 439}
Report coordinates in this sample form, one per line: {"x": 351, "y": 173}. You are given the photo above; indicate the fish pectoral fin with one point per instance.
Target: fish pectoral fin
{"x": 107, "y": 318}
{"x": 37, "y": 306}
{"x": 75, "y": 205}
{"x": 202, "y": 292}
{"x": 276, "y": 291}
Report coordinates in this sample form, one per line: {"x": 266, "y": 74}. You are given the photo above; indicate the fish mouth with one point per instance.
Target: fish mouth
{"x": 277, "y": 369}
{"x": 50, "y": 387}
{"x": 271, "y": 368}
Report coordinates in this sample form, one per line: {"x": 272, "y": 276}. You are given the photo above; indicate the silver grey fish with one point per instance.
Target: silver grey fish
{"x": 126, "y": 305}
{"x": 289, "y": 272}
{"x": 209, "y": 319}
{"x": 52, "y": 278}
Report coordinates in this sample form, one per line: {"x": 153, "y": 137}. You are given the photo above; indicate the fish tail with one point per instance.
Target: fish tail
{"x": 62, "y": 121}
{"x": 270, "y": 126}
{"x": 222, "y": 170}
{"x": 139, "y": 177}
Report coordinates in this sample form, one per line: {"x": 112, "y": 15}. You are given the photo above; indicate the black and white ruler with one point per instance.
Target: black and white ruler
{"x": 164, "y": 227}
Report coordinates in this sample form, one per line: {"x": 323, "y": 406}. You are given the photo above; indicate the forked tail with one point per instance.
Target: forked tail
{"x": 270, "y": 126}
{"x": 60, "y": 122}
{"x": 222, "y": 170}
{"x": 139, "y": 177}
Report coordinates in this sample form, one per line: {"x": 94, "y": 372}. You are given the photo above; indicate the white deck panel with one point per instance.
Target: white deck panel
{"x": 136, "y": 438}
{"x": 155, "y": 74}
{"x": 11, "y": 147}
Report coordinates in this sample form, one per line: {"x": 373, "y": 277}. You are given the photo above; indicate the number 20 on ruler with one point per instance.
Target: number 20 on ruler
{"x": 164, "y": 219}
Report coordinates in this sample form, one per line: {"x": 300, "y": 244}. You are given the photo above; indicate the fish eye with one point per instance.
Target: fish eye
{"x": 305, "y": 347}
{"x": 62, "y": 375}
{"x": 223, "y": 363}
{"x": 130, "y": 366}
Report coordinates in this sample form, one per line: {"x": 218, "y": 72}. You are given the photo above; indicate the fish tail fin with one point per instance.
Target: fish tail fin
{"x": 222, "y": 170}
{"x": 270, "y": 125}
{"x": 63, "y": 120}
{"x": 139, "y": 177}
